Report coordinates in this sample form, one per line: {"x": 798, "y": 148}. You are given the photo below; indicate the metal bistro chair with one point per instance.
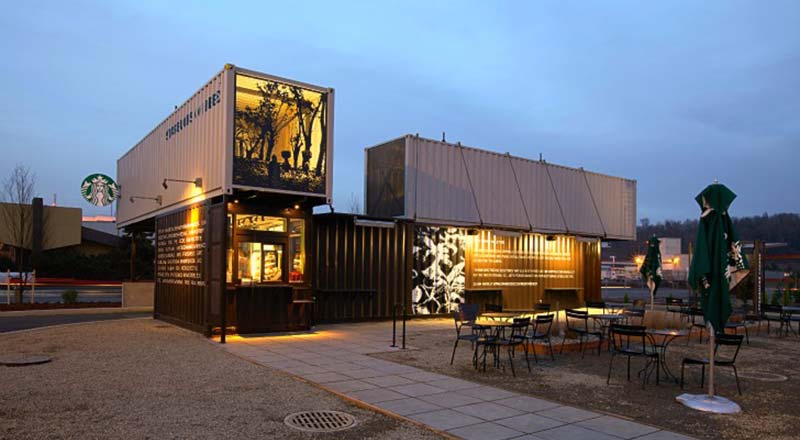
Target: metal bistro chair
{"x": 516, "y": 338}
{"x": 791, "y": 317}
{"x": 675, "y": 307}
{"x": 634, "y": 314}
{"x": 772, "y": 313}
{"x": 631, "y": 341}
{"x": 739, "y": 322}
{"x": 696, "y": 320}
{"x": 721, "y": 340}
{"x": 578, "y": 323}
{"x": 542, "y": 326}
{"x": 465, "y": 316}
{"x": 596, "y": 305}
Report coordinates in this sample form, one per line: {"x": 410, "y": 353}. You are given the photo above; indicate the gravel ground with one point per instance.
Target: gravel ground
{"x": 148, "y": 379}
{"x": 770, "y": 409}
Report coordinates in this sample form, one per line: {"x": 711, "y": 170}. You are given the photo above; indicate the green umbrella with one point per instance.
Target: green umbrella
{"x": 718, "y": 263}
{"x": 651, "y": 267}
{"x": 717, "y": 266}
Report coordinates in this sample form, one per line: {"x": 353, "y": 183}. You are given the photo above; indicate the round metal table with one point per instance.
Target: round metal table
{"x": 667, "y": 336}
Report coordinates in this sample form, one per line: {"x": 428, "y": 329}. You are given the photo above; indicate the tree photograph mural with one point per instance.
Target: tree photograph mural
{"x": 280, "y": 136}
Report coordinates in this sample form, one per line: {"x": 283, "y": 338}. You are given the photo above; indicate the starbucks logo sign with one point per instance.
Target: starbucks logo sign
{"x": 99, "y": 189}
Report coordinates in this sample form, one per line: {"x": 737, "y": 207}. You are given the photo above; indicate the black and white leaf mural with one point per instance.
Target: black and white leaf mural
{"x": 439, "y": 259}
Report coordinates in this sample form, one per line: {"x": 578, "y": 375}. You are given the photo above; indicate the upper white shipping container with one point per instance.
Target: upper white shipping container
{"x": 242, "y": 130}
{"x": 441, "y": 183}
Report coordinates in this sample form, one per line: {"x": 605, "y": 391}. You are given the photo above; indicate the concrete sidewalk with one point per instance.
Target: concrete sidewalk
{"x": 335, "y": 357}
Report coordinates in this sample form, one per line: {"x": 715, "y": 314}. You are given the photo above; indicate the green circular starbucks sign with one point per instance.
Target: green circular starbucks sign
{"x": 99, "y": 189}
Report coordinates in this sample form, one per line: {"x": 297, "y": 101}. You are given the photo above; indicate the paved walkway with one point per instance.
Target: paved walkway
{"x": 335, "y": 357}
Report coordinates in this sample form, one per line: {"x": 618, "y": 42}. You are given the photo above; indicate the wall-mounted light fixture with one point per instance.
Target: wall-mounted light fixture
{"x": 198, "y": 182}
{"x": 156, "y": 199}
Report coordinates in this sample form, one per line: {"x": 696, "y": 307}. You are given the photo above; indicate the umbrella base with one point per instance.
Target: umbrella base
{"x": 716, "y": 404}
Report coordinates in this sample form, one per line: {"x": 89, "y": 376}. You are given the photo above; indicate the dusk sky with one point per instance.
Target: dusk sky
{"x": 673, "y": 94}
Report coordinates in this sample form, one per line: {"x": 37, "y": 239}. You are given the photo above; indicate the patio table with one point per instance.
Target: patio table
{"x": 666, "y": 336}
{"x": 606, "y": 319}
{"x": 499, "y": 315}
{"x": 497, "y": 329}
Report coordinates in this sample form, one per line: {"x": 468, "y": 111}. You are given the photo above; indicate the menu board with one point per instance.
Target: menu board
{"x": 180, "y": 249}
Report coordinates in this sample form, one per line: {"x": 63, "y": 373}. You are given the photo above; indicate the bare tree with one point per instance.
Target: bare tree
{"x": 17, "y": 215}
{"x": 355, "y": 204}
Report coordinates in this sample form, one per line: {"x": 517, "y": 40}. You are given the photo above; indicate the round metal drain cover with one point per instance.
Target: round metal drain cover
{"x": 320, "y": 421}
{"x": 23, "y": 361}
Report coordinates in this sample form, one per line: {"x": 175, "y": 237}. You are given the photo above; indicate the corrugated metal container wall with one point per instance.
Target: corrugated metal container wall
{"x": 197, "y": 149}
{"x": 384, "y": 182}
{"x": 448, "y": 184}
{"x": 616, "y": 203}
{"x": 576, "y": 201}
{"x": 437, "y": 185}
{"x": 496, "y": 189}
{"x": 351, "y": 260}
{"x": 538, "y": 196}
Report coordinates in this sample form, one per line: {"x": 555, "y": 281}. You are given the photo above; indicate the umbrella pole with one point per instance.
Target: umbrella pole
{"x": 711, "y": 354}
{"x": 709, "y": 402}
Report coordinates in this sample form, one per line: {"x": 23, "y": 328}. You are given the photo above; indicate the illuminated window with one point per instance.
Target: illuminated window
{"x": 260, "y": 262}
{"x": 297, "y": 258}
{"x": 254, "y": 222}
{"x": 273, "y": 262}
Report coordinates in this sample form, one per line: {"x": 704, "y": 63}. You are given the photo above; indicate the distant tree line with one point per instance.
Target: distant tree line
{"x": 783, "y": 228}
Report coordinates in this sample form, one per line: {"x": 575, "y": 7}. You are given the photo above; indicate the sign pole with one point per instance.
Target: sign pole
{"x": 33, "y": 286}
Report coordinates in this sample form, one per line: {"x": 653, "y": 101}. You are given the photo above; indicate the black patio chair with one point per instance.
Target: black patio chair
{"x": 634, "y": 314}
{"x": 465, "y": 316}
{"x": 541, "y": 307}
{"x": 722, "y": 340}
{"x": 517, "y": 337}
{"x": 631, "y": 341}
{"x": 542, "y": 326}
{"x": 675, "y": 307}
{"x": 738, "y": 320}
{"x": 772, "y": 313}
{"x": 578, "y": 323}
{"x": 696, "y": 320}
{"x": 791, "y": 317}
{"x": 596, "y": 305}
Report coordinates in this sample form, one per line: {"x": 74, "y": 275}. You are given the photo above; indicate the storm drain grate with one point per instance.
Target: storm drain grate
{"x": 320, "y": 421}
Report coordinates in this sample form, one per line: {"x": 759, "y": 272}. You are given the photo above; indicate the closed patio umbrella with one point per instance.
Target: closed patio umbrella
{"x": 651, "y": 268}
{"x": 717, "y": 266}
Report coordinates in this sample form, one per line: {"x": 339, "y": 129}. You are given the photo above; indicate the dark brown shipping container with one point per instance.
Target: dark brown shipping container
{"x": 361, "y": 270}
